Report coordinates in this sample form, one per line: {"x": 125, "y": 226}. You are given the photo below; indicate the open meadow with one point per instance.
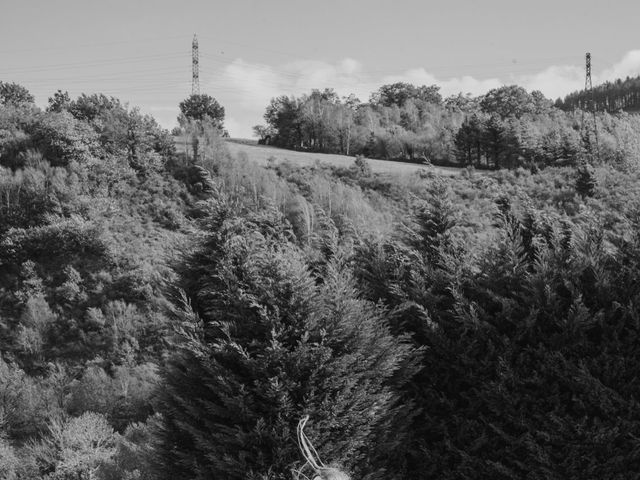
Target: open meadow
{"x": 262, "y": 153}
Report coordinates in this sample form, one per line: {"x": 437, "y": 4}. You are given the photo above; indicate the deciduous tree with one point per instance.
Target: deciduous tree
{"x": 197, "y": 107}
{"x": 14, "y": 94}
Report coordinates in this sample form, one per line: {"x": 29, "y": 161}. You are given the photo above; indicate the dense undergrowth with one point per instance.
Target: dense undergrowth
{"x": 169, "y": 317}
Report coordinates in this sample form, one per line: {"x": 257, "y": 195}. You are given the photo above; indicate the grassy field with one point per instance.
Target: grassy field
{"x": 261, "y": 153}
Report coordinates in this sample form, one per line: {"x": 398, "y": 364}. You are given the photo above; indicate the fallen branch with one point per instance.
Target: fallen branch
{"x": 312, "y": 459}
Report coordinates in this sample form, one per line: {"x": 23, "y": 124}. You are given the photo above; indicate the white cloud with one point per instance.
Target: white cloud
{"x": 165, "y": 116}
{"x": 555, "y": 81}
{"x": 245, "y": 89}
{"x": 629, "y": 66}
{"x": 164, "y": 108}
{"x": 232, "y": 125}
{"x": 451, "y": 86}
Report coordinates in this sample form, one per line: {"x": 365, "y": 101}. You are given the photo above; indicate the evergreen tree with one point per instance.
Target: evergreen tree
{"x": 199, "y": 107}
{"x": 433, "y": 220}
{"x": 586, "y": 181}
{"x": 529, "y": 367}
{"x": 464, "y": 143}
{"x": 264, "y": 343}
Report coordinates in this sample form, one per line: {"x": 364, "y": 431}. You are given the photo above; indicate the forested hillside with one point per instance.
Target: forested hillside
{"x": 170, "y": 315}
{"x": 506, "y": 128}
{"x": 621, "y": 95}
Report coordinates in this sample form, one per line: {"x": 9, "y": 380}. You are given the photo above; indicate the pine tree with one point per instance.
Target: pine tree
{"x": 264, "y": 343}
{"x": 531, "y": 359}
{"x": 430, "y": 232}
{"x": 586, "y": 181}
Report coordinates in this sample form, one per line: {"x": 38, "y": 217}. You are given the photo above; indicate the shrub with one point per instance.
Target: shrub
{"x": 75, "y": 448}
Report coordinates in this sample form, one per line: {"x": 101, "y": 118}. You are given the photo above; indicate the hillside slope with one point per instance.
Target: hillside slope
{"x": 261, "y": 154}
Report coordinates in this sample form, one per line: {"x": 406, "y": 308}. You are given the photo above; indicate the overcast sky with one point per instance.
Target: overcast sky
{"x": 251, "y": 51}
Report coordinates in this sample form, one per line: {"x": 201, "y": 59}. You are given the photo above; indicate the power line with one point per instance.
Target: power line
{"x": 506, "y": 63}
{"x": 95, "y": 63}
{"x": 157, "y": 76}
{"x": 93, "y": 45}
{"x": 519, "y": 67}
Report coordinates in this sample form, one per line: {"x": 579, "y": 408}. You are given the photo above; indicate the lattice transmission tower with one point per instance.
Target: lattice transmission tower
{"x": 589, "y": 122}
{"x": 195, "y": 67}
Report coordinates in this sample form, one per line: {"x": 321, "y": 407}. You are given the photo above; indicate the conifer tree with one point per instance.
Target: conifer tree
{"x": 264, "y": 343}
{"x": 433, "y": 220}
{"x": 586, "y": 181}
{"x": 530, "y": 356}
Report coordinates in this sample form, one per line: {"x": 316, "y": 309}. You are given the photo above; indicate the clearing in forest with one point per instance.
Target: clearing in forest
{"x": 261, "y": 153}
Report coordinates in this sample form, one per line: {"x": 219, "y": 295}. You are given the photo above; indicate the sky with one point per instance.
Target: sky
{"x": 251, "y": 51}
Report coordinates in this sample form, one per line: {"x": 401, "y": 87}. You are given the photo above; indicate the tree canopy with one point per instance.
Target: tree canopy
{"x": 197, "y": 107}
{"x": 610, "y": 96}
{"x": 398, "y": 94}
{"x": 15, "y": 94}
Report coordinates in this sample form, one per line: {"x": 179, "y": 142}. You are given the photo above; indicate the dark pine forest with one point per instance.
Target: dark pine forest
{"x": 621, "y": 95}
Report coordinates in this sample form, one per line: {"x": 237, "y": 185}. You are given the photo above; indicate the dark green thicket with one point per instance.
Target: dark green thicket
{"x": 264, "y": 343}
{"x": 530, "y": 364}
{"x": 586, "y": 181}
